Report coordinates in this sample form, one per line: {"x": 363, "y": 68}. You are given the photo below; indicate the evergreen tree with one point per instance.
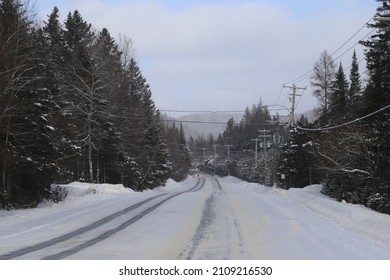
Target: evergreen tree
{"x": 296, "y": 160}
{"x": 179, "y": 156}
{"x": 52, "y": 44}
{"x": 108, "y": 152}
{"x": 184, "y": 150}
{"x": 154, "y": 156}
{"x": 378, "y": 61}
{"x": 355, "y": 87}
{"x": 338, "y": 96}
{"x": 53, "y": 38}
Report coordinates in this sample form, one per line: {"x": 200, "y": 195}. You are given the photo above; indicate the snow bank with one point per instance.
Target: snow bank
{"x": 357, "y": 218}
{"x": 349, "y": 216}
{"x": 78, "y": 189}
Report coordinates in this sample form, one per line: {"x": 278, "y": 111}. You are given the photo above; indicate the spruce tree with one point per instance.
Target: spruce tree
{"x": 338, "y": 96}
{"x": 355, "y": 86}
{"x": 155, "y": 163}
{"x": 378, "y": 61}
{"x": 296, "y": 159}
{"x": 108, "y": 154}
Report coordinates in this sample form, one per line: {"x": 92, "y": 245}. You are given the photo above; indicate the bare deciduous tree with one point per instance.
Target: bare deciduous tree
{"x": 324, "y": 72}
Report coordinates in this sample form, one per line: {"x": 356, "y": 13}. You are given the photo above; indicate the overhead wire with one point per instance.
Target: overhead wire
{"x": 207, "y": 86}
{"x": 299, "y": 78}
{"x": 306, "y": 74}
{"x": 202, "y": 111}
{"x": 347, "y": 123}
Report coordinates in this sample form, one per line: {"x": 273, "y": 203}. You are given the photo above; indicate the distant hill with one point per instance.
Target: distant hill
{"x": 204, "y": 123}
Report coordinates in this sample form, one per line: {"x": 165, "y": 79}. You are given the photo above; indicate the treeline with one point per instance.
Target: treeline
{"x": 179, "y": 154}
{"x": 74, "y": 105}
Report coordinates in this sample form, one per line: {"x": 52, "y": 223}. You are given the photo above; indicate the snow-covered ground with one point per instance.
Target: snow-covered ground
{"x": 200, "y": 218}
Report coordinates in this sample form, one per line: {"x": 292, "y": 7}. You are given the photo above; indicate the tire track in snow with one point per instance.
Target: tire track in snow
{"x": 217, "y": 235}
{"x": 73, "y": 234}
{"x": 208, "y": 215}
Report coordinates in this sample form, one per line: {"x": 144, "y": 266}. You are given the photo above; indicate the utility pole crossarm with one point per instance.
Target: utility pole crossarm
{"x": 382, "y": 18}
{"x": 294, "y": 94}
{"x": 265, "y": 135}
{"x": 228, "y": 147}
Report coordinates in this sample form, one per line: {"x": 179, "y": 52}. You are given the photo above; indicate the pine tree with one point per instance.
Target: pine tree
{"x": 184, "y": 150}
{"x": 155, "y": 163}
{"x": 108, "y": 156}
{"x": 355, "y": 87}
{"x": 52, "y": 43}
{"x": 378, "y": 61}
{"x": 53, "y": 38}
{"x": 296, "y": 159}
{"x": 338, "y": 96}
{"x": 179, "y": 155}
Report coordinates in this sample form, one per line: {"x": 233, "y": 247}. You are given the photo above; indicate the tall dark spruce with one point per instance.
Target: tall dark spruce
{"x": 377, "y": 96}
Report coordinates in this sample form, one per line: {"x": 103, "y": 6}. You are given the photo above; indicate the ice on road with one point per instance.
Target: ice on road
{"x": 200, "y": 218}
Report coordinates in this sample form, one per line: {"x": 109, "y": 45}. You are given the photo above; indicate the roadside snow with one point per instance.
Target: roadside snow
{"x": 240, "y": 220}
{"x": 77, "y": 189}
{"x": 356, "y": 218}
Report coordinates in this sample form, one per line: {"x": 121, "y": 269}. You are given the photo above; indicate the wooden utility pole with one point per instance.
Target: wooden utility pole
{"x": 256, "y": 140}
{"x": 204, "y": 159}
{"x": 228, "y": 147}
{"x": 204, "y": 152}
{"x": 215, "y": 149}
{"x": 294, "y": 94}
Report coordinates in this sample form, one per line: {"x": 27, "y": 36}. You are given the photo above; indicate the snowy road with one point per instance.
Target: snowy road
{"x": 200, "y": 218}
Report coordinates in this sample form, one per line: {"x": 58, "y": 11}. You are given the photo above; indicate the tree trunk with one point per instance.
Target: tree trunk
{"x": 6, "y": 186}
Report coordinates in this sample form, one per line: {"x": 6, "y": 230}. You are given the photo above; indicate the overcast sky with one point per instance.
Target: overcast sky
{"x": 227, "y": 55}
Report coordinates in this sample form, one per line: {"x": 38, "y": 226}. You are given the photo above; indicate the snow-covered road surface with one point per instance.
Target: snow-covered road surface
{"x": 200, "y": 218}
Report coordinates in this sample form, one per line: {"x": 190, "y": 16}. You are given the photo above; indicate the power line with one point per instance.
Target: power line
{"x": 210, "y": 122}
{"x": 361, "y": 28}
{"x": 280, "y": 93}
{"x": 305, "y": 75}
{"x": 206, "y": 86}
{"x": 199, "y": 122}
{"x": 199, "y": 111}
{"x": 347, "y": 123}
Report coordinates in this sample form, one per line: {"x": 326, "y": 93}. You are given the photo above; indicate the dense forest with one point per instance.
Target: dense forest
{"x": 347, "y": 148}
{"x": 74, "y": 105}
